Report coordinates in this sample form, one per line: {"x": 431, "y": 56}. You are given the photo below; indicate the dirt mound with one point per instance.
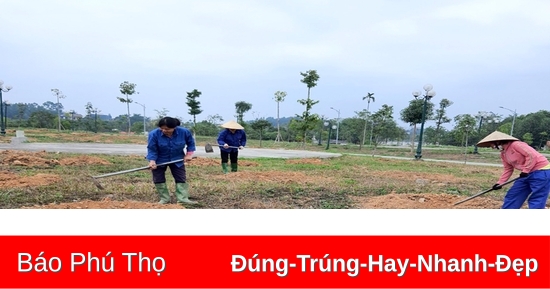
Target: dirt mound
{"x": 424, "y": 201}
{"x": 11, "y": 180}
{"x": 272, "y": 177}
{"x": 107, "y": 204}
{"x": 84, "y": 160}
{"x": 304, "y": 161}
{"x": 26, "y": 159}
{"x": 199, "y": 162}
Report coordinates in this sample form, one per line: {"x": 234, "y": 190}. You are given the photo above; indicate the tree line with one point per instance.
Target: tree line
{"x": 365, "y": 127}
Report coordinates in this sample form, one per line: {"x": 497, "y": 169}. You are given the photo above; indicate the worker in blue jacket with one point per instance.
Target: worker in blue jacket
{"x": 231, "y": 140}
{"x": 167, "y": 143}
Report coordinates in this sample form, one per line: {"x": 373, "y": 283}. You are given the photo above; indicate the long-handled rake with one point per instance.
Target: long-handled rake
{"x": 484, "y": 192}
{"x": 99, "y": 186}
{"x": 208, "y": 148}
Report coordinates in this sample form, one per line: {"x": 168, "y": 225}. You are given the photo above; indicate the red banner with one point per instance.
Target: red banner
{"x": 275, "y": 261}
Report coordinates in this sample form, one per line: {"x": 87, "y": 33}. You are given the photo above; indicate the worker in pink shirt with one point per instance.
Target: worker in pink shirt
{"x": 533, "y": 184}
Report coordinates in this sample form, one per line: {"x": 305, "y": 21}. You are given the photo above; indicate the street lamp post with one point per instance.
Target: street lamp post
{"x": 144, "y": 126}
{"x": 337, "y": 123}
{"x": 6, "y": 104}
{"x": 319, "y": 142}
{"x": 330, "y": 128}
{"x": 513, "y": 119}
{"x": 2, "y": 124}
{"x": 429, "y": 94}
{"x": 482, "y": 114}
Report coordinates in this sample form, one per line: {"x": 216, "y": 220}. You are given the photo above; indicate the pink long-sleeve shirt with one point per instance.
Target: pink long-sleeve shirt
{"x": 519, "y": 155}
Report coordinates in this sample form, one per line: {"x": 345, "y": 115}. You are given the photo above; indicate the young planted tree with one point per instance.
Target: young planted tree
{"x": 260, "y": 125}
{"x": 279, "y": 97}
{"x": 127, "y": 89}
{"x": 412, "y": 115}
{"x": 59, "y": 95}
{"x": 465, "y": 125}
{"x": 307, "y": 119}
{"x": 384, "y": 122}
{"x": 194, "y": 106}
{"x": 441, "y": 117}
{"x": 369, "y": 97}
{"x": 161, "y": 113}
{"x": 214, "y": 119}
{"x": 241, "y": 107}
{"x": 91, "y": 112}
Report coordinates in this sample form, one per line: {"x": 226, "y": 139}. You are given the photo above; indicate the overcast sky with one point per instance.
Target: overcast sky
{"x": 480, "y": 54}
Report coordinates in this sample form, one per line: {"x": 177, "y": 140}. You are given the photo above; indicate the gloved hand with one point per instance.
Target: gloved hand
{"x": 497, "y": 187}
{"x": 225, "y": 146}
{"x": 241, "y": 147}
{"x": 523, "y": 175}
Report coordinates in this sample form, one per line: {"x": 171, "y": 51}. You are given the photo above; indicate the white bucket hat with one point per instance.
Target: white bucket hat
{"x": 493, "y": 137}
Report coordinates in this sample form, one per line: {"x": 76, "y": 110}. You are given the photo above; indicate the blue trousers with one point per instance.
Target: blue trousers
{"x": 534, "y": 188}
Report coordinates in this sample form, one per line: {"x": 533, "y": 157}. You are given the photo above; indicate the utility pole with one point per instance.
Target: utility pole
{"x": 59, "y": 95}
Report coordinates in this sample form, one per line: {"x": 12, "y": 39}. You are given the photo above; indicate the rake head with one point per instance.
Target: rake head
{"x": 97, "y": 184}
{"x": 208, "y": 148}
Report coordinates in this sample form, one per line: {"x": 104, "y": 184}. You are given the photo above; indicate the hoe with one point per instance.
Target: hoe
{"x": 484, "y": 192}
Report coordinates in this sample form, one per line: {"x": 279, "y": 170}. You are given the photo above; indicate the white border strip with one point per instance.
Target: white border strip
{"x": 274, "y": 222}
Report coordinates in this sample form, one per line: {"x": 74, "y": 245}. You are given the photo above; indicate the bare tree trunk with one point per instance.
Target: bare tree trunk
{"x": 279, "y": 138}
{"x": 129, "y": 122}
{"x": 413, "y": 137}
{"x": 305, "y": 120}
{"x": 365, "y": 128}
{"x": 466, "y": 148}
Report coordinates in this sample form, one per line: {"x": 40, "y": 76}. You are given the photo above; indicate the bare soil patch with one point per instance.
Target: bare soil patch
{"x": 40, "y": 159}
{"x": 26, "y": 159}
{"x": 424, "y": 201}
{"x": 12, "y": 180}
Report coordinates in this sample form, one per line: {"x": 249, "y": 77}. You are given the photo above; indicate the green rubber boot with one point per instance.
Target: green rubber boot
{"x": 224, "y": 168}
{"x": 182, "y": 194}
{"x": 234, "y": 167}
{"x": 163, "y": 192}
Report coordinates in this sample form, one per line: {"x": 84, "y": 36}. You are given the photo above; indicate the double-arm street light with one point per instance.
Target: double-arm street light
{"x": 144, "y": 126}
{"x": 337, "y": 123}
{"x": 418, "y": 95}
{"x": 2, "y": 123}
{"x": 513, "y": 119}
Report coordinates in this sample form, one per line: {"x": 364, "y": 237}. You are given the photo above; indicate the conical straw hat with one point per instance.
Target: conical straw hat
{"x": 495, "y": 136}
{"x": 232, "y": 125}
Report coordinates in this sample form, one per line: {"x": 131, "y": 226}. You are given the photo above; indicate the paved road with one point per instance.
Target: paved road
{"x": 132, "y": 149}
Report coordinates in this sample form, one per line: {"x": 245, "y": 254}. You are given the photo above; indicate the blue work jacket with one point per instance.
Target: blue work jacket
{"x": 236, "y": 139}
{"x": 161, "y": 148}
